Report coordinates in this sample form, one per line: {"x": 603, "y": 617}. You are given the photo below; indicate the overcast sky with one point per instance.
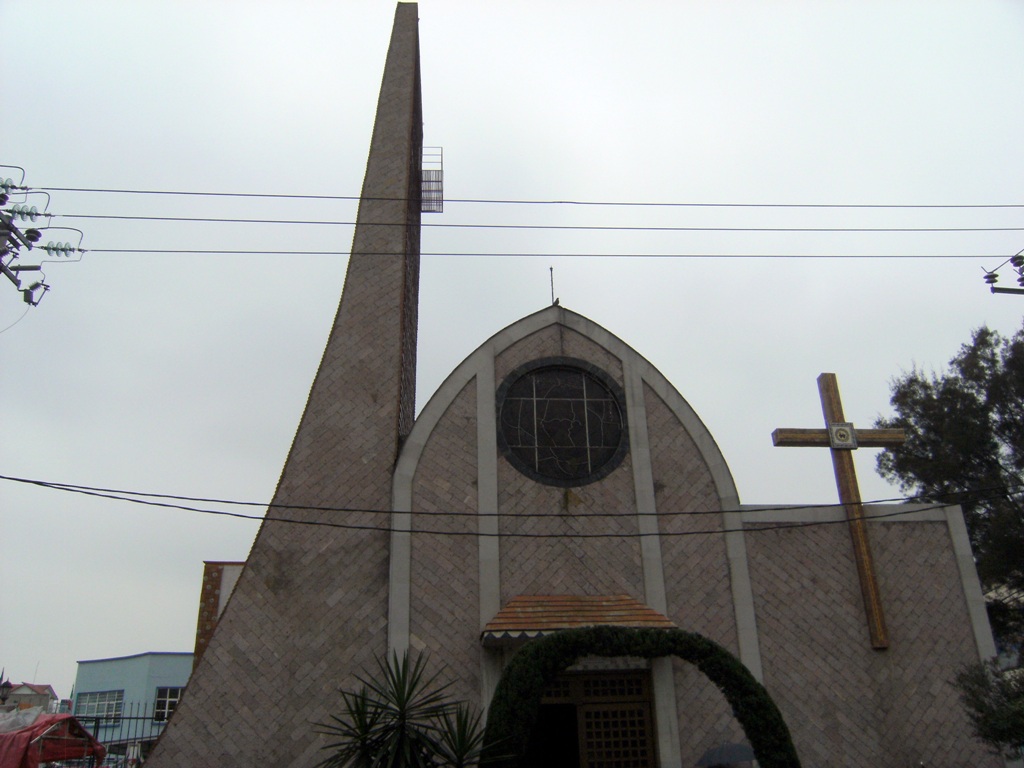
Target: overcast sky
{"x": 186, "y": 374}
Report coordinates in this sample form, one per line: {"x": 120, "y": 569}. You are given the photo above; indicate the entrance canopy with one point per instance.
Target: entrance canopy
{"x": 529, "y": 616}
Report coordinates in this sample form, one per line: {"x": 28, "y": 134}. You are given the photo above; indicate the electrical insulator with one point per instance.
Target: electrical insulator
{"x": 33, "y": 235}
{"x": 25, "y": 213}
{"x": 59, "y": 249}
{"x": 991, "y": 278}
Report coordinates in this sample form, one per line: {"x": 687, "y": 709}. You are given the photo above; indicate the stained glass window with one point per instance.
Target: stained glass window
{"x": 561, "y": 424}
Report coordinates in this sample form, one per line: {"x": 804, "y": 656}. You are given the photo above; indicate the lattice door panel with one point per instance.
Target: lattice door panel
{"x": 623, "y": 687}
{"x": 616, "y": 736}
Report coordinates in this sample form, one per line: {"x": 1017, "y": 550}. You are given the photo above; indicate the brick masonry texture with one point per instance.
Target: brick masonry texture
{"x": 557, "y": 341}
{"x": 705, "y": 718}
{"x": 566, "y": 563}
{"x": 310, "y": 609}
{"x": 208, "y": 603}
{"x": 693, "y": 549}
{"x": 846, "y": 704}
{"x": 926, "y": 611}
{"x": 444, "y": 597}
{"x": 696, "y": 573}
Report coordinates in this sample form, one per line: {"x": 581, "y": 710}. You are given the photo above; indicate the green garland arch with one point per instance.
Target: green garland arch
{"x": 516, "y": 703}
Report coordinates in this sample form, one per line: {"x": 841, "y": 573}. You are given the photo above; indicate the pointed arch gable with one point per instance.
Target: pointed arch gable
{"x": 477, "y": 373}
{"x": 483, "y": 357}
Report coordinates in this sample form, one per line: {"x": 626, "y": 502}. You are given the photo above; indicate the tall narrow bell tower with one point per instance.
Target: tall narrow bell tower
{"x": 310, "y": 609}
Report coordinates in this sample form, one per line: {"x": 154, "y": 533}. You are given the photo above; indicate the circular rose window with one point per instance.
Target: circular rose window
{"x": 561, "y": 422}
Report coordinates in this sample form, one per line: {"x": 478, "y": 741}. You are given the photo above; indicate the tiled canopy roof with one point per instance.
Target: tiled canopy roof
{"x": 529, "y": 616}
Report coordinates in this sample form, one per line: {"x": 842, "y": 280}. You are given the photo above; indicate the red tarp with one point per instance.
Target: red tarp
{"x": 48, "y": 738}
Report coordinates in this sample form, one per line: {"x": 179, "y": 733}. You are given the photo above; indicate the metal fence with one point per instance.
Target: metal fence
{"x": 129, "y": 736}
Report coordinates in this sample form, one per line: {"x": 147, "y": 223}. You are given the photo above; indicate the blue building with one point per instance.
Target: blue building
{"x": 125, "y": 701}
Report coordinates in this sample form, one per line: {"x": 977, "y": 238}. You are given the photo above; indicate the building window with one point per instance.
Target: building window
{"x": 561, "y": 422}
{"x": 166, "y": 700}
{"x": 105, "y": 705}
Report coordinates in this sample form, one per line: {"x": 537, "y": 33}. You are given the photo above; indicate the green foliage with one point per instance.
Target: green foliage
{"x": 460, "y": 741}
{"x": 516, "y": 704}
{"x": 994, "y": 700}
{"x": 356, "y": 735}
{"x": 965, "y": 445}
{"x": 402, "y": 719}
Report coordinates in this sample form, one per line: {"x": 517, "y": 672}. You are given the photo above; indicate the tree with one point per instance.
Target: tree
{"x": 994, "y": 700}
{"x": 402, "y": 719}
{"x": 965, "y": 445}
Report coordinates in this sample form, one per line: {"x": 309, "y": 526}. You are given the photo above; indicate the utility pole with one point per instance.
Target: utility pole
{"x": 12, "y": 240}
{"x": 1017, "y": 262}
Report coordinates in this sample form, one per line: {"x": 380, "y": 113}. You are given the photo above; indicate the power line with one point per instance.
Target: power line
{"x": 493, "y": 201}
{"x": 545, "y": 227}
{"x": 480, "y": 254}
{"x": 133, "y": 498}
{"x": 577, "y": 535}
{"x": 208, "y": 500}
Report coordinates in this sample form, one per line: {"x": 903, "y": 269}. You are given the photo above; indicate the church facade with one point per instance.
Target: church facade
{"x": 555, "y": 480}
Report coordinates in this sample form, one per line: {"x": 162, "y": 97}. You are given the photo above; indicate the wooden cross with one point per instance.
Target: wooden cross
{"x": 841, "y": 437}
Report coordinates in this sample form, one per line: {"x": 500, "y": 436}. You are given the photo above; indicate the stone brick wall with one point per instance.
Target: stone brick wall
{"x": 444, "y": 593}
{"x": 926, "y": 613}
{"x": 693, "y": 549}
{"x": 552, "y": 557}
{"x": 696, "y": 574}
{"x": 705, "y": 718}
{"x": 846, "y": 704}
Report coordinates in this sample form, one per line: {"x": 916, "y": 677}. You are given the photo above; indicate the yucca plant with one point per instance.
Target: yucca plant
{"x": 460, "y": 740}
{"x": 393, "y": 721}
{"x": 356, "y": 736}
